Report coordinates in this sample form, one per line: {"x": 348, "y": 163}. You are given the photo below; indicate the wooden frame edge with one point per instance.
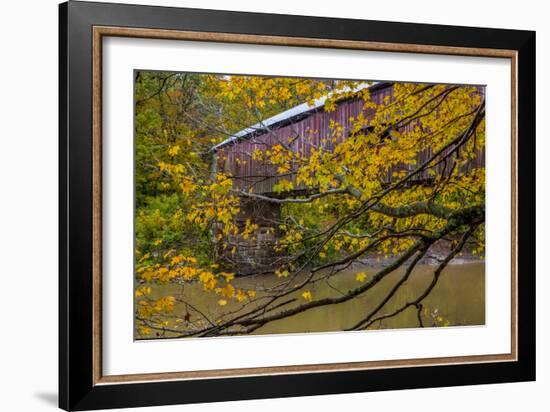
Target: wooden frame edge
{"x": 98, "y": 32}
{"x": 514, "y": 218}
{"x": 296, "y": 369}
{"x": 97, "y": 240}
{"x": 297, "y": 41}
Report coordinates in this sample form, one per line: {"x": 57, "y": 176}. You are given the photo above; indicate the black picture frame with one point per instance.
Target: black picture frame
{"x": 77, "y": 390}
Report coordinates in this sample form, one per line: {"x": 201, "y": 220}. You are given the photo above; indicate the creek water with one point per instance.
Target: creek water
{"x": 458, "y": 299}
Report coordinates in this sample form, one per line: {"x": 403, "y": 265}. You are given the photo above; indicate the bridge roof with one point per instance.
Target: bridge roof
{"x": 302, "y": 110}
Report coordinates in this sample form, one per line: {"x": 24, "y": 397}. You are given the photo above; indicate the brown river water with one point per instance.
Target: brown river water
{"x": 457, "y": 300}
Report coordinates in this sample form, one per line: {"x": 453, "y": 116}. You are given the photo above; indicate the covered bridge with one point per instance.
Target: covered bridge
{"x": 300, "y": 129}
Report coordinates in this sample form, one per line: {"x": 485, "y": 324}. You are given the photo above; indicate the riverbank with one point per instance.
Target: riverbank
{"x": 433, "y": 257}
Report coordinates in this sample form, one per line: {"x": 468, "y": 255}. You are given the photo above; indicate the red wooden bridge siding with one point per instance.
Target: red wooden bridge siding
{"x": 302, "y": 134}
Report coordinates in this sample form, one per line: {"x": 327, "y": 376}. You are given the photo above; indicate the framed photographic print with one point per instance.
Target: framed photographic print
{"x": 257, "y": 205}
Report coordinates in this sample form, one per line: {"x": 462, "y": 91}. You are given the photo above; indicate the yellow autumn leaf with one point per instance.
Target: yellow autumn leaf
{"x": 228, "y": 276}
{"x": 187, "y": 186}
{"x": 222, "y": 302}
{"x": 361, "y": 276}
{"x": 174, "y": 150}
{"x": 241, "y": 295}
{"x": 307, "y": 295}
{"x": 144, "y": 330}
{"x": 282, "y": 273}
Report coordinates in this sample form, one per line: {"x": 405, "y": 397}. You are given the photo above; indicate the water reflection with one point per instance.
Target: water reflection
{"x": 458, "y": 299}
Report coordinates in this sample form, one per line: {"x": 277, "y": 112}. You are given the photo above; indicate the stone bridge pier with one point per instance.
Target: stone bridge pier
{"x": 255, "y": 254}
